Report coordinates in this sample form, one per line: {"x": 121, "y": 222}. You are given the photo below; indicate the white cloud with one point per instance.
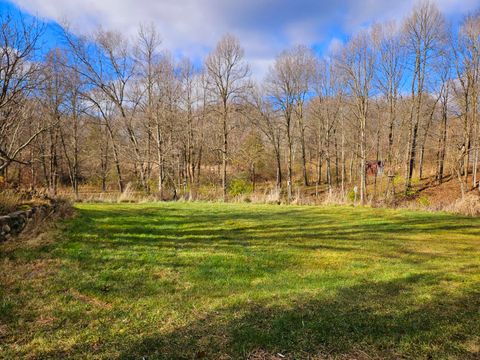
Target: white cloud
{"x": 265, "y": 27}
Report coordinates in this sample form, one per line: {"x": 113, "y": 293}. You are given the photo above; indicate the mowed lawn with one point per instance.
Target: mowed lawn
{"x": 234, "y": 281}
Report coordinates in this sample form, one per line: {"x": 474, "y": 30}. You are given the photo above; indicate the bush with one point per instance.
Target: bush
{"x": 351, "y": 196}
{"x": 411, "y": 192}
{"x": 423, "y": 201}
{"x": 398, "y": 180}
{"x": 239, "y": 187}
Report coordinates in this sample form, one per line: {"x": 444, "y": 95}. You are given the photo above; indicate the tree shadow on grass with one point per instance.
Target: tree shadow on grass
{"x": 159, "y": 220}
{"x": 168, "y": 229}
{"x": 273, "y": 226}
{"x": 123, "y": 238}
{"x": 382, "y": 320}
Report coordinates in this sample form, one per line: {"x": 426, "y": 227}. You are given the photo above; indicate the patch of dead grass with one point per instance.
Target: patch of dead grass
{"x": 89, "y": 299}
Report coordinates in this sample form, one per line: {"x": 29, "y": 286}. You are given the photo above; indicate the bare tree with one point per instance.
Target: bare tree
{"x": 267, "y": 121}
{"x": 147, "y": 56}
{"x": 228, "y": 75}
{"x": 71, "y": 136}
{"x": 424, "y": 31}
{"x": 53, "y": 93}
{"x": 288, "y": 84}
{"x": 326, "y": 108}
{"x": 19, "y": 77}
{"x": 104, "y": 110}
{"x": 305, "y": 73}
{"x": 389, "y": 75}
{"x": 467, "y": 64}
{"x": 109, "y": 67}
{"x": 358, "y": 64}
{"x": 168, "y": 93}
{"x": 188, "y": 101}
{"x": 442, "y": 139}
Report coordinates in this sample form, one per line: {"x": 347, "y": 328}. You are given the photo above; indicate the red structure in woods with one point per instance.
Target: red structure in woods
{"x": 374, "y": 167}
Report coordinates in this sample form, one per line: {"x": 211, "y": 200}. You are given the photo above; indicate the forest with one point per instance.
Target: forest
{"x": 395, "y": 105}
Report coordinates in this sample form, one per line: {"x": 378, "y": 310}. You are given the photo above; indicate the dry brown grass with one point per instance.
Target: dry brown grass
{"x": 335, "y": 197}
{"x": 468, "y": 205}
{"x": 9, "y": 201}
{"x": 321, "y": 355}
{"x": 427, "y": 195}
{"x": 266, "y": 196}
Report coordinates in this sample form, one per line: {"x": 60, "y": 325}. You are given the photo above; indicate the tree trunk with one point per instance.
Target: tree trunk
{"x": 116, "y": 159}
{"x": 225, "y": 151}
{"x": 279, "y": 168}
{"x": 304, "y": 154}
{"x": 343, "y": 160}
{"x": 363, "y": 152}
{"x": 289, "y": 160}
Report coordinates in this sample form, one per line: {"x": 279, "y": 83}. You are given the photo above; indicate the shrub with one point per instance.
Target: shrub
{"x": 239, "y": 187}
{"x": 398, "y": 180}
{"x": 423, "y": 201}
{"x": 351, "y": 196}
{"x": 411, "y": 192}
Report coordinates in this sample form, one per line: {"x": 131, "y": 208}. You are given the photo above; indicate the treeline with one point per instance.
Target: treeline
{"x": 105, "y": 110}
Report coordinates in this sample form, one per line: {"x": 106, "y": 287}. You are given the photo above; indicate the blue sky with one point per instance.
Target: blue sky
{"x": 265, "y": 27}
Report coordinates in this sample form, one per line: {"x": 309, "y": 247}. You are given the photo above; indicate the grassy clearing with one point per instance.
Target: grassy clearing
{"x": 193, "y": 280}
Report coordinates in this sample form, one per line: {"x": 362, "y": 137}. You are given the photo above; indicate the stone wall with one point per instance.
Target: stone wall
{"x": 14, "y": 223}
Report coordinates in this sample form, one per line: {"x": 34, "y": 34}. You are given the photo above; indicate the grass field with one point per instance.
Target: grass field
{"x": 215, "y": 281}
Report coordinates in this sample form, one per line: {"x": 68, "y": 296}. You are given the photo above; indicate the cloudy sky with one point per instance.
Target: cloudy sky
{"x": 265, "y": 27}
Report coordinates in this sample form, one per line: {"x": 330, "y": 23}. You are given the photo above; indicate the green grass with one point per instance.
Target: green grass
{"x": 193, "y": 280}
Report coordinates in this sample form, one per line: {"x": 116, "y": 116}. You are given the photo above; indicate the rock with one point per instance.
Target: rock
{"x": 15, "y": 223}
{"x": 17, "y": 214}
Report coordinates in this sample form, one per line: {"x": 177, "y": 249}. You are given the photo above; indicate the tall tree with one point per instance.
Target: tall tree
{"x": 389, "y": 75}
{"x": 467, "y": 63}
{"x": 107, "y": 65}
{"x": 326, "y": 108}
{"x": 19, "y": 77}
{"x": 288, "y": 83}
{"x": 358, "y": 64}
{"x": 228, "y": 82}
{"x": 167, "y": 90}
{"x": 425, "y": 35}
{"x": 267, "y": 121}
{"x": 305, "y": 72}
{"x": 147, "y": 56}
{"x": 53, "y": 92}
